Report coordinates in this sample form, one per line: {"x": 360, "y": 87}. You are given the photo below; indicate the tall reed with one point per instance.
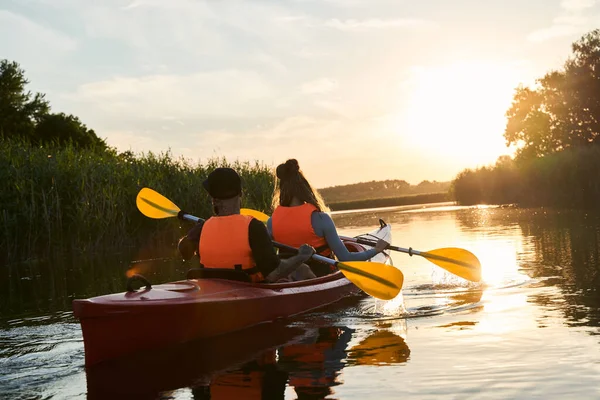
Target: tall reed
{"x": 64, "y": 198}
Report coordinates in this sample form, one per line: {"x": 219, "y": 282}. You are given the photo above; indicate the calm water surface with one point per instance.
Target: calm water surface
{"x": 530, "y": 330}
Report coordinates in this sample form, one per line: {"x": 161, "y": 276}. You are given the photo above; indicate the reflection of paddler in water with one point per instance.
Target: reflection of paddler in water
{"x": 256, "y": 380}
{"x": 310, "y": 366}
{"x": 314, "y": 365}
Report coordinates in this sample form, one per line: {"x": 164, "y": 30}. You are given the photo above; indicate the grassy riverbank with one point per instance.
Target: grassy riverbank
{"x": 83, "y": 200}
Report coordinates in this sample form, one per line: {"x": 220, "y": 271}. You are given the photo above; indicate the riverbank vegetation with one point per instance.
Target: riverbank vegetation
{"x": 555, "y": 127}
{"x": 56, "y": 197}
{"x": 389, "y": 192}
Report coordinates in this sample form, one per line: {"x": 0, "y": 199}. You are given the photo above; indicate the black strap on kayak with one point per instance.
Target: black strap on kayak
{"x": 136, "y": 278}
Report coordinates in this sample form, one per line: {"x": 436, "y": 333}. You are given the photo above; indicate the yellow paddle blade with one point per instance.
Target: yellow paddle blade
{"x": 262, "y": 217}
{"x": 381, "y": 347}
{"x": 376, "y": 279}
{"x": 460, "y": 262}
{"x": 154, "y": 205}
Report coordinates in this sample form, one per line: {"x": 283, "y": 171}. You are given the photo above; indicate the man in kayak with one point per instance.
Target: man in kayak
{"x": 300, "y": 217}
{"x": 234, "y": 241}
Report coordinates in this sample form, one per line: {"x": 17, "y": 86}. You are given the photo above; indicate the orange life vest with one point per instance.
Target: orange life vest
{"x": 225, "y": 243}
{"x": 293, "y": 226}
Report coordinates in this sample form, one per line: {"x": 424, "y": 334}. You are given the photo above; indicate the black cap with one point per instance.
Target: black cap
{"x": 223, "y": 183}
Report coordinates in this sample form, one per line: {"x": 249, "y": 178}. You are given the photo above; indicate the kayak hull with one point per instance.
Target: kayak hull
{"x": 125, "y": 323}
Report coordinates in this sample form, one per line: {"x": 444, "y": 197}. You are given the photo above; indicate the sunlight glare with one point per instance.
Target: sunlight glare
{"x": 456, "y": 108}
{"x": 499, "y": 262}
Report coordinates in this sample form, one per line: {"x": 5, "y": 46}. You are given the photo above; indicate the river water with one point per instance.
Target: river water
{"x": 530, "y": 330}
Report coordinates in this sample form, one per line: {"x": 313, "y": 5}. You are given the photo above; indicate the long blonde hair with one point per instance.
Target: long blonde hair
{"x": 292, "y": 183}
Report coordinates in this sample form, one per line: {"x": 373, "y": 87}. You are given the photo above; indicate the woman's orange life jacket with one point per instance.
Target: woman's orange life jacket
{"x": 225, "y": 243}
{"x": 293, "y": 226}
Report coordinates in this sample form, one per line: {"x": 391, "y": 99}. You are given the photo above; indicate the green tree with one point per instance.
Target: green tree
{"x": 63, "y": 129}
{"x": 563, "y": 110}
{"x": 26, "y": 115}
{"x": 19, "y": 110}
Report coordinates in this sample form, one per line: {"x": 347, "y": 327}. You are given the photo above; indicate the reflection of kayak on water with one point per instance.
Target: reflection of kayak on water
{"x": 252, "y": 364}
{"x": 192, "y": 364}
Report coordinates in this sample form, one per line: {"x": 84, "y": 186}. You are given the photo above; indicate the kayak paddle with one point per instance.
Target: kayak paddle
{"x": 457, "y": 261}
{"x": 379, "y": 280}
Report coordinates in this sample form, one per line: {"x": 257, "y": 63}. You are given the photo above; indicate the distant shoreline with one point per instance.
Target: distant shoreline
{"x": 446, "y": 205}
{"x": 391, "y": 201}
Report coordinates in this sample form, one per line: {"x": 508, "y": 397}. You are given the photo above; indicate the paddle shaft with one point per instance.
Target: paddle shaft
{"x": 370, "y": 243}
{"x": 190, "y": 217}
{"x": 411, "y": 252}
{"x": 317, "y": 257}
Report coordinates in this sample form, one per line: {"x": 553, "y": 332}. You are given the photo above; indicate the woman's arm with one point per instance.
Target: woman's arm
{"x": 323, "y": 226}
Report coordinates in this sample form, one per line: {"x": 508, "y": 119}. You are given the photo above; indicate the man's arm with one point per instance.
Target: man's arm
{"x": 188, "y": 245}
{"x": 264, "y": 255}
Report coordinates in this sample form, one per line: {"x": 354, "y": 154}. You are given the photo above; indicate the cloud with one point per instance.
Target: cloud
{"x": 577, "y": 4}
{"x": 555, "y": 31}
{"x": 225, "y": 93}
{"x": 375, "y": 23}
{"x": 319, "y": 86}
{"x": 28, "y": 35}
{"x": 575, "y": 19}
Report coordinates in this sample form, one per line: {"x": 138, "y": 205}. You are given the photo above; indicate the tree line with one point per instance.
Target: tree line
{"x": 379, "y": 190}
{"x": 26, "y": 115}
{"x": 555, "y": 127}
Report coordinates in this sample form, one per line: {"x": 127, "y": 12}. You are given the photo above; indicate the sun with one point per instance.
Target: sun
{"x": 457, "y": 111}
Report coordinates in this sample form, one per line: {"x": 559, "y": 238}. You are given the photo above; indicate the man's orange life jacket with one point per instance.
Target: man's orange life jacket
{"x": 293, "y": 226}
{"x": 225, "y": 243}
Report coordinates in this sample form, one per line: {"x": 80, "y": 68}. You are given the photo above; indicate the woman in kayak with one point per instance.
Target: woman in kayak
{"x": 300, "y": 217}
{"x": 229, "y": 240}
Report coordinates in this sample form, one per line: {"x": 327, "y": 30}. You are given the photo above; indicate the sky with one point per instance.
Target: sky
{"x": 355, "y": 90}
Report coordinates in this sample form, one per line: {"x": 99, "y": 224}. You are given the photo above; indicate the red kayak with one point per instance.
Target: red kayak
{"x": 124, "y": 323}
